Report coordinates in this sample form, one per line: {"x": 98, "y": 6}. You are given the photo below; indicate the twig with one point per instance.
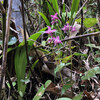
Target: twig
{"x": 81, "y": 31}
{"x": 22, "y": 4}
{"x": 4, "y": 60}
{"x": 81, "y": 36}
{"x": 5, "y": 2}
{"x": 67, "y": 39}
{"x": 16, "y": 32}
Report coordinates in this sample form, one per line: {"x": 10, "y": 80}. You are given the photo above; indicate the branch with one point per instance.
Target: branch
{"x": 4, "y": 59}
{"x": 81, "y": 36}
{"x": 67, "y": 39}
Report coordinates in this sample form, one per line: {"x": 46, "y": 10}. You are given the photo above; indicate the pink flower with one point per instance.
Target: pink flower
{"x": 49, "y": 31}
{"x": 56, "y": 40}
{"x": 53, "y": 22}
{"x": 66, "y": 28}
{"x": 73, "y": 29}
{"x": 50, "y": 40}
{"x": 54, "y": 17}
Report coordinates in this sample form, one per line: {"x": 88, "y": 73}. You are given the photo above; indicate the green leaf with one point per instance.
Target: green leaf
{"x": 64, "y": 99}
{"x": 44, "y": 50}
{"x": 69, "y": 14}
{"x": 45, "y": 18}
{"x": 93, "y": 46}
{"x": 97, "y": 59}
{"x": 25, "y": 81}
{"x": 20, "y": 93}
{"x": 13, "y": 83}
{"x": 47, "y": 83}
{"x": 91, "y": 73}
{"x": 12, "y": 41}
{"x": 20, "y": 67}
{"x": 80, "y": 54}
{"x": 64, "y": 8}
{"x": 60, "y": 66}
{"x": 98, "y": 71}
{"x": 8, "y": 85}
{"x": 33, "y": 37}
{"x": 51, "y": 12}
{"x": 74, "y": 8}
{"x": 41, "y": 91}
{"x": 66, "y": 87}
{"x": 43, "y": 43}
{"x": 89, "y": 22}
{"x": 78, "y": 20}
{"x": 55, "y": 5}
{"x": 63, "y": 16}
{"x": 66, "y": 59}
{"x": 78, "y": 97}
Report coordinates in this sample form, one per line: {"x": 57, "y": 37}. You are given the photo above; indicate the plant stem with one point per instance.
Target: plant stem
{"x": 6, "y": 38}
{"x": 4, "y": 21}
{"x": 61, "y": 78}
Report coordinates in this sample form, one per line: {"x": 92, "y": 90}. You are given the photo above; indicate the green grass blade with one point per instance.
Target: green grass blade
{"x": 51, "y": 12}
{"x": 20, "y": 67}
{"x": 64, "y": 8}
{"x": 45, "y": 18}
{"x": 41, "y": 90}
{"x": 55, "y": 5}
{"x": 74, "y": 7}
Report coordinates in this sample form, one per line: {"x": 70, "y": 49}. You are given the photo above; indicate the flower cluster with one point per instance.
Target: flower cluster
{"x": 67, "y": 27}
{"x": 54, "y": 19}
{"x": 56, "y": 40}
{"x": 50, "y": 31}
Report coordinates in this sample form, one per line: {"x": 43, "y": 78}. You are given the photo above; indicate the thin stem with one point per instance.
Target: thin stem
{"x": 70, "y": 42}
{"x": 26, "y": 47}
{"x": 81, "y": 36}
{"x": 98, "y": 5}
{"x": 81, "y": 17}
{"x": 6, "y": 38}
{"x": 61, "y": 78}
{"x": 4, "y": 21}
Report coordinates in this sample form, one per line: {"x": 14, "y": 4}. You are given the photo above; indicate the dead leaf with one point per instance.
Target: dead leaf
{"x": 54, "y": 89}
{"x": 88, "y": 95}
{"x": 77, "y": 26}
